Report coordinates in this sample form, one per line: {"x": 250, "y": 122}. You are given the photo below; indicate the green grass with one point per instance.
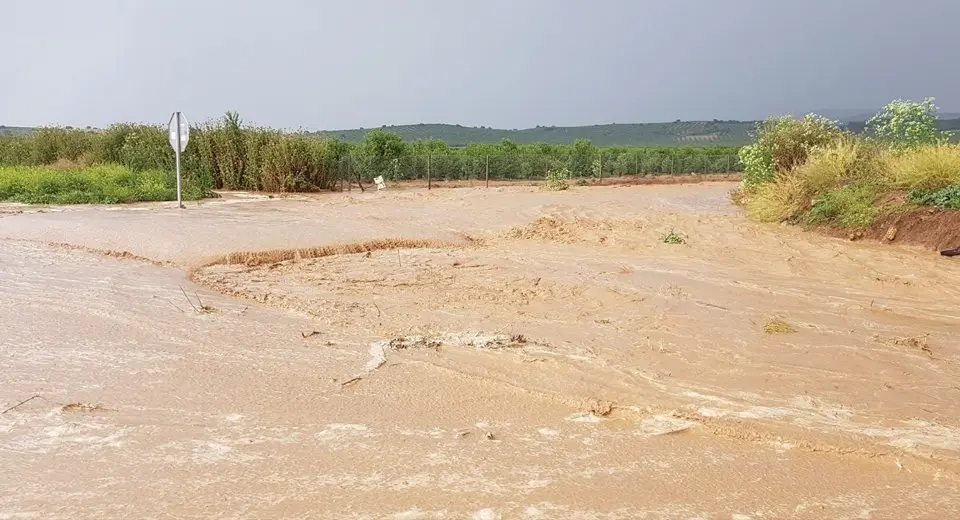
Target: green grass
{"x": 102, "y": 184}
{"x": 673, "y": 238}
{"x": 852, "y": 206}
{"x": 946, "y": 198}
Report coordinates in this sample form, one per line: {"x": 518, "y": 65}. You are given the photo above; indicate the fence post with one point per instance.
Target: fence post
{"x": 428, "y": 173}
{"x": 486, "y": 172}
{"x": 636, "y": 165}
{"x": 601, "y": 169}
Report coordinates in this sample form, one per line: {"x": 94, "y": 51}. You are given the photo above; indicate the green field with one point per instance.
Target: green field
{"x": 103, "y": 184}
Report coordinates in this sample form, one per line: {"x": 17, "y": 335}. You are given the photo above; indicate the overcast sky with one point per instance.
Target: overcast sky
{"x": 503, "y": 63}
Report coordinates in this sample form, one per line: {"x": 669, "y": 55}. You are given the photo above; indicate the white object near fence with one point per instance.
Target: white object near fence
{"x": 179, "y": 135}
{"x": 380, "y": 184}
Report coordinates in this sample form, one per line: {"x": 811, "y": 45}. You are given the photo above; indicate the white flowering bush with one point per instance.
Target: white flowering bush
{"x": 757, "y": 165}
{"x": 557, "y": 179}
{"x": 783, "y": 143}
{"x": 908, "y": 124}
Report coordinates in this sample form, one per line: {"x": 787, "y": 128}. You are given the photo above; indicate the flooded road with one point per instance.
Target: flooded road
{"x": 471, "y": 353}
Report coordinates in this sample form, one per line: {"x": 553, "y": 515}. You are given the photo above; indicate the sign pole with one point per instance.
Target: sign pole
{"x": 177, "y": 149}
{"x": 179, "y": 136}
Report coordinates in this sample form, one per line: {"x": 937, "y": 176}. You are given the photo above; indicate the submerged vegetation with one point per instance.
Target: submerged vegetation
{"x": 809, "y": 171}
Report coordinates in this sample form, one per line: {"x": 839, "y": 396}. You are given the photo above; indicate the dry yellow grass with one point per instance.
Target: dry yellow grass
{"x": 83, "y": 408}
{"x": 930, "y": 167}
{"x": 920, "y": 343}
{"x": 778, "y": 326}
{"x": 843, "y": 161}
{"x": 256, "y": 258}
{"x": 779, "y": 200}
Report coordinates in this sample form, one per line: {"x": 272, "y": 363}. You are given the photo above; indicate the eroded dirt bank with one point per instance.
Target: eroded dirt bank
{"x": 520, "y": 355}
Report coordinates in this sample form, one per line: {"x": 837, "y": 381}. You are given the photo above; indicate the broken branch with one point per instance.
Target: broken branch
{"x": 21, "y": 403}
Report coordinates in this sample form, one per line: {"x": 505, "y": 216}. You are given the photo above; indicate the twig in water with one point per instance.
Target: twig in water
{"x": 188, "y": 301}
{"x": 350, "y": 381}
{"x": 378, "y": 309}
{"x": 312, "y": 334}
{"x": 21, "y": 403}
{"x": 174, "y": 305}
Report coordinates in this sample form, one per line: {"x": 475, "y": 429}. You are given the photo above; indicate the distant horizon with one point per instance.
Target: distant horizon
{"x": 854, "y": 116}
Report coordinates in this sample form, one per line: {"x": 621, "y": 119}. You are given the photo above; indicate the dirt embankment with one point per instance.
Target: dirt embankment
{"x": 931, "y": 229}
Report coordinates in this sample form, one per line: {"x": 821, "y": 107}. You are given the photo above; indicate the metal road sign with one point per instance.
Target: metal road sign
{"x": 178, "y": 121}
{"x": 179, "y": 136}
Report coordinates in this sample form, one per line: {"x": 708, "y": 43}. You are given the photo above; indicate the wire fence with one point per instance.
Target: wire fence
{"x": 152, "y": 177}
{"x": 506, "y": 167}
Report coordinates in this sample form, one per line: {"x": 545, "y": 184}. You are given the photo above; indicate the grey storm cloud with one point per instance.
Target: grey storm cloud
{"x": 502, "y": 63}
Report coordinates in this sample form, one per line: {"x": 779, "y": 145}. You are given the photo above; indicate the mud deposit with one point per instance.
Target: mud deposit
{"x": 471, "y": 353}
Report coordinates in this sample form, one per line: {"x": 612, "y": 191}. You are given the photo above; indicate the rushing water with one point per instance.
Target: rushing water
{"x": 564, "y": 364}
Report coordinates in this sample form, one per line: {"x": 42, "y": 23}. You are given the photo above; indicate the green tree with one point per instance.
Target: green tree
{"x": 379, "y": 153}
{"x": 582, "y": 155}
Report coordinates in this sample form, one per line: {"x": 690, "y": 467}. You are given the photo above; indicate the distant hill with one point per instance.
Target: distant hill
{"x": 15, "y": 130}
{"x": 678, "y": 133}
{"x": 860, "y": 115}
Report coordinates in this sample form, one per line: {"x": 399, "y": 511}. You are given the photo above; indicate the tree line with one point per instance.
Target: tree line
{"x": 226, "y": 154}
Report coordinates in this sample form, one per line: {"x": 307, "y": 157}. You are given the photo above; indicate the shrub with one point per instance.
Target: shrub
{"x": 831, "y": 186}
{"x": 757, "y": 165}
{"x": 557, "y": 179}
{"x": 673, "y": 238}
{"x": 50, "y": 144}
{"x": 783, "y": 143}
{"x": 908, "y": 124}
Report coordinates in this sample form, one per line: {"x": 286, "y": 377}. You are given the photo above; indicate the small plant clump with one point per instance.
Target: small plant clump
{"x": 946, "y": 198}
{"x": 778, "y": 326}
{"x": 673, "y": 238}
{"x": 558, "y": 179}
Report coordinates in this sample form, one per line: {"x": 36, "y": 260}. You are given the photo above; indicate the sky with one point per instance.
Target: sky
{"x": 323, "y": 65}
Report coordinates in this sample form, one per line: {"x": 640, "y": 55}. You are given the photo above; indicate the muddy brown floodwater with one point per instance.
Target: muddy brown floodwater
{"x": 471, "y": 353}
